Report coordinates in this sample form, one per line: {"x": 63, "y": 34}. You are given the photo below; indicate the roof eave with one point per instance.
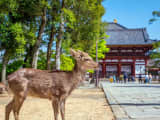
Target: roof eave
{"x": 129, "y": 45}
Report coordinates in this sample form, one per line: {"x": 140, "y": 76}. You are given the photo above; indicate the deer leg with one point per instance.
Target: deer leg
{"x": 18, "y": 104}
{"x": 55, "y": 104}
{"x": 62, "y": 109}
{"x": 8, "y": 109}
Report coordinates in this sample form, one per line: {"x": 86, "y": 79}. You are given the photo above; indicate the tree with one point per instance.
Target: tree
{"x": 39, "y": 39}
{"x": 102, "y": 49}
{"x": 52, "y": 32}
{"x": 156, "y": 16}
{"x": 12, "y": 41}
{"x": 60, "y": 34}
{"x": 156, "y": 52}
{"x": 67, "y": 63}
{"x": 28, "y": 26}
{"x": 56, "y": 26}
{"x": 41, "y": 64}
{"x": 79, "y": 29}
{"x": 33, "y": 16}
{"x": 17, "y": 18}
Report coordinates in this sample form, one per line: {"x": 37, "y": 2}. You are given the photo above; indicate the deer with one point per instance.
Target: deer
{"x": 53, "y": 85}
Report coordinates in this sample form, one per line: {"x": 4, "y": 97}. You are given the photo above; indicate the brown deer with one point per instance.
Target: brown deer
{"x": 55, "y": 86}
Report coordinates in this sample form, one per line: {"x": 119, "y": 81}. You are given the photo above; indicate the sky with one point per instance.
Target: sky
{"x": 133, "y": 14}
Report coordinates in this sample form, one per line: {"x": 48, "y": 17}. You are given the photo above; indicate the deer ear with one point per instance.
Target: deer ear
{"x": 79, "y": 51}
{"x": 72, "y": 52}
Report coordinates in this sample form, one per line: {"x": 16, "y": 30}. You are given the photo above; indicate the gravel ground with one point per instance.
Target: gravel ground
{"x": 83, "y": 104}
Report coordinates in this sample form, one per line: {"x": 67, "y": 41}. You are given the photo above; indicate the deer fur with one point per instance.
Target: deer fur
{"x": 53, "y": 85}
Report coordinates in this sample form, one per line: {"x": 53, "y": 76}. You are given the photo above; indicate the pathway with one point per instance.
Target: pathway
{"x": 134, "y": 101}
{"x": 83, "y": 104}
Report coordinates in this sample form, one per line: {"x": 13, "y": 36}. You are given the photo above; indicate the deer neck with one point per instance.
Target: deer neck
{"x": 78, "y": 74}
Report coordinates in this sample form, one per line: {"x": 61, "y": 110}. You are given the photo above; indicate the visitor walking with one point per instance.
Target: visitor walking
{"x": 140, "y": 78}
{"x": 133, "y": 78}
{"x": 146, "y": 78}
{"x": 114, "y": 78}
{"x": 125, "y": 77}
{"x": 121, "y": 78}
{"x": 150, "y": 78}
{"x": 130, "y": 78}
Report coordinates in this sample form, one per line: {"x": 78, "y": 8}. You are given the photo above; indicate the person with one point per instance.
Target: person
{"x": 146, "y": 78}
{"x": 125, "y": 77}
{"x": 150, "y": 78}
{"x": 121, "y": 78}
{"x": 130, "y": 78}
{"x": 117, "y": 79}
{"x": 111, "y": 79}
{"x": 133, "y": 78}
{"x": 114, "y": 78}
{"x": 140, "y": 78}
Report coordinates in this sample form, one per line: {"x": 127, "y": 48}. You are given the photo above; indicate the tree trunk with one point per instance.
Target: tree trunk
{"x": 59, "y": 40}
{"x": 58, "y": 53}
{"x": 4, "y": 67}
{"x": 39, "y": 39}
{"x": 27, "y": 59}
{"x": 49, "y": 48}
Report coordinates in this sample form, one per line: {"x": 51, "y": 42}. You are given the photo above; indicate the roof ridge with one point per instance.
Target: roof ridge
{"x": 118, "y": 25}
{"x": 144, "y": 28}
{"x": 133, "y": 29}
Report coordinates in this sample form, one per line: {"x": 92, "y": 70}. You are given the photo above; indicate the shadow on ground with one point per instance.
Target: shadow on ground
{"x": 138, "y": 104}
{"x": 147, "y": 86}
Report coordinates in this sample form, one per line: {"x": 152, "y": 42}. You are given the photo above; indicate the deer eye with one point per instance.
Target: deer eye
{"x": 87, "y": 59}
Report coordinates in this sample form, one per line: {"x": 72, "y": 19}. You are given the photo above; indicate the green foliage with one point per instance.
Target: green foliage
{"x": 102, "y": 44}
{"x": 18, "y": 41}
{"x": 102, "y": 49}
{"x": 156, "y": 52}
{"x": 70, "y": 17}
{"x": 66, "y": 63}
{"x": 20, "y": 21}
{"x": 91, "y": 71}
{"x": 41, "y": 60}
{"x": 12, "y": 36}
{"x": 156, "y": 16}
{"x": 85, "y": 16}
{"x": 13, "y": 66}
{"x": 87, "y": 27}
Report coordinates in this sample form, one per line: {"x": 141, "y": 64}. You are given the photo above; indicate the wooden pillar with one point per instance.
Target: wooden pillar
{"x": 119, "y": 66}
{"x": 146, "y": 70}
{"x": 133, "y": 69}
{"x": 119, "y": 69}
{"x": 134, "y": 61}
{"x": 104, "y": 69}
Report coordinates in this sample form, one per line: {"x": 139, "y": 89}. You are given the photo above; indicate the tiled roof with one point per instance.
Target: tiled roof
{"x": 120, "y": 35}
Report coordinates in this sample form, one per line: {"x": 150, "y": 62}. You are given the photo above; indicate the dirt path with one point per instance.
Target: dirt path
{"x": 83, "y": 104}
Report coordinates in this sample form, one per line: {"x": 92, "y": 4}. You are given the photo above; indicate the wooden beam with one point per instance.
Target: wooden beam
{"x": 146, "y": 45}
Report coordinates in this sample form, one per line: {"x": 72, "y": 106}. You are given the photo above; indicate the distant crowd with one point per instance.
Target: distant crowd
{"x": 147, "y": 78}
{"x": 124, "y": 78}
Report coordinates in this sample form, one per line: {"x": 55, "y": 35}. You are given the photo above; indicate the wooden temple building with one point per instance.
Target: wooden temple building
{"x": 129, "y": 51}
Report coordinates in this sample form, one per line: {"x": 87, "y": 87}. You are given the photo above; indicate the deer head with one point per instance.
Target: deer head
{"x": 84, "y": 61}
